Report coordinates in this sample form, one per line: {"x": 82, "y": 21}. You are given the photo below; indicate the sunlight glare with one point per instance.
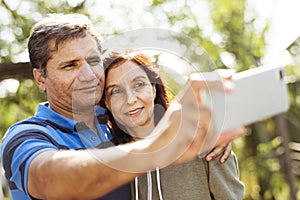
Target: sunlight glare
{"x": 8, "y": 86}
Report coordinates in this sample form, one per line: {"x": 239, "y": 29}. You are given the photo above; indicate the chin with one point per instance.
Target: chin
{"x": 136, "y": 124}
{"x": 84, "y": 102}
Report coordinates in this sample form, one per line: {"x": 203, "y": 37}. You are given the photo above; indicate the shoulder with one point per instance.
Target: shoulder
{"x": 30, "y": 131}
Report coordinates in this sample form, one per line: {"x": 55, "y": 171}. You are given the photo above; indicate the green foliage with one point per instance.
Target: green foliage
{"x": 240, "y": 38}
{"x": 19, "y": 106}
{"x": 19, "y": 23}
{"x": 157, "y": 2}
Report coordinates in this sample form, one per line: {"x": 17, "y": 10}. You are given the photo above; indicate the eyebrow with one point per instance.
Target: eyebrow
{"x": 113, "y": 85}
{"x": 76, "y": 60}
{"x": 110, "y": 86}
{"x": 68, "y": 62}
{"x": 141, "y": 76}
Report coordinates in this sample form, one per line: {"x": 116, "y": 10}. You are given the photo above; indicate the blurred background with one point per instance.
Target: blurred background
{"x": 238, "y": 34}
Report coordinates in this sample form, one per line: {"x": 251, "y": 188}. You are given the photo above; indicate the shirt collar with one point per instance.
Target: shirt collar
{"x": 45, "y": 112}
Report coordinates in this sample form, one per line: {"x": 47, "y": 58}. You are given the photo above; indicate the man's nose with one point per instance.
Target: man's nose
{"x": 86, "y": 72}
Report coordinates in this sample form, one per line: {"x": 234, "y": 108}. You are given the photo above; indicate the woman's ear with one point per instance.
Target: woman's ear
{"x": 107, "y": 105}
{"x": 39, "y": 79}
{"x": 154, "y": 91}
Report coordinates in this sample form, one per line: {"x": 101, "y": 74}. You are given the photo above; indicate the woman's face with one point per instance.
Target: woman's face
{"x": 130, "y": 96}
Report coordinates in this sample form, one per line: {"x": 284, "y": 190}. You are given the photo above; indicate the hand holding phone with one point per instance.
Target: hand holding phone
{"x": 258, "y": 93}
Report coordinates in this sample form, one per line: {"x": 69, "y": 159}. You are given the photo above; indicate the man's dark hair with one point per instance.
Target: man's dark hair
{"x": 60, "y": 28}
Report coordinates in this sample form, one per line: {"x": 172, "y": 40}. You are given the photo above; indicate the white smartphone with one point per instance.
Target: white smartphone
{"x": 258, "y": 93}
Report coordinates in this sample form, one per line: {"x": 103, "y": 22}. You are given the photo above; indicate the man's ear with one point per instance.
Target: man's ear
{"x": 39, "y": 79}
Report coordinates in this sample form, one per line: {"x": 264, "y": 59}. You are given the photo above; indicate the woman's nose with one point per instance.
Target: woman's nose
{"x": 131, "y": 97}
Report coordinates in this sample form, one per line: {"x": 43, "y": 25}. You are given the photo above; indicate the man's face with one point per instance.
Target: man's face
{"x": 75, "y": 75}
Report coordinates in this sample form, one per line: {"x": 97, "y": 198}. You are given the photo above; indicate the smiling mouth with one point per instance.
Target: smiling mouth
{"x": 134, "y": 111}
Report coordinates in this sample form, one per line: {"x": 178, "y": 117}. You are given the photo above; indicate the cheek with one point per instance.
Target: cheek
{"x": 147, "y": 96}
{"x": 99, "y": 72}
{"x": 116, "y": 107}
{"x": 57, "y": 85}
{"x": 61, "y": 86}
{"x": 148, "y": 99}
{"x": 64, "y": 80}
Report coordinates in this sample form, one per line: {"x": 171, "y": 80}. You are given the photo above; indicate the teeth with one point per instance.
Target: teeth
{"x": 134, "y": 112}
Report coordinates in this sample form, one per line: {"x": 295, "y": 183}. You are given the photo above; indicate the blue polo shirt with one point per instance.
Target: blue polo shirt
{"x": 48, "y": 130}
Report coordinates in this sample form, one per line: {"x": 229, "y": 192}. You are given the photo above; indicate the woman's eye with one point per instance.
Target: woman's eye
{"x": 115, "y": 91}
{"x": 139, "y": 84}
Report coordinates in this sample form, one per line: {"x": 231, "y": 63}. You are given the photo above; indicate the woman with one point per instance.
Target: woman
{"x": 136, "y": 99}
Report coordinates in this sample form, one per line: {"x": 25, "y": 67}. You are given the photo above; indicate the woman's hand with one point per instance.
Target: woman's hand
{"x": 224, "y": 149}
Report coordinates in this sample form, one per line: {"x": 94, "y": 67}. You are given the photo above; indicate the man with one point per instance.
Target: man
{"x": 59, "y": 152}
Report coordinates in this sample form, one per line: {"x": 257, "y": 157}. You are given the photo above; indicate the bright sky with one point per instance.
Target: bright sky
{"x": 284, "y": 29}
{"x": 284, "y": 16}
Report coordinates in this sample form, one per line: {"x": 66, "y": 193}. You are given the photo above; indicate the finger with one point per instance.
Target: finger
{"x": 198, "y": 82}
{"x": 216, "y": 80}
{"x": 215, "y": 152}
{"x": 226, "y": 73}
{"x": 226, "y": 153}
{"x": 211, "y": 80}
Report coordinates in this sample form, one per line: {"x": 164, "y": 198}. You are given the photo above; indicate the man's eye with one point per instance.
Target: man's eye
{"x": 94, "y": 62}
{"x": 69, "y": 66}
